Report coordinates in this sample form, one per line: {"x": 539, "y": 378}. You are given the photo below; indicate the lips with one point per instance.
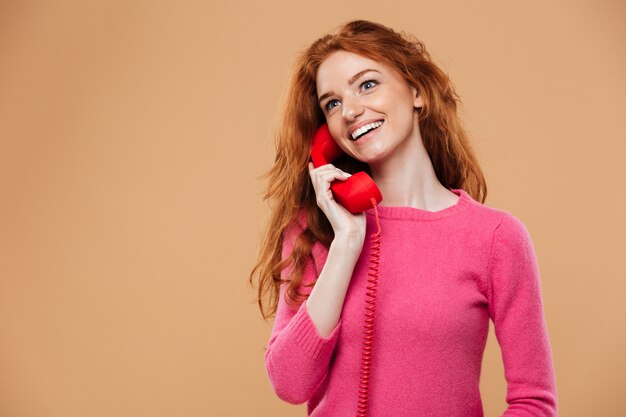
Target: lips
{"x": 363, "y": 128}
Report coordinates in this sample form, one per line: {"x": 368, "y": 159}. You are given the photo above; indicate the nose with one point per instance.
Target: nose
{"x": 352, "y": 108}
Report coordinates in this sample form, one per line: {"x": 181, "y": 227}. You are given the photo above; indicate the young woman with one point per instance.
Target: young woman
{"x": 444, "y": 263}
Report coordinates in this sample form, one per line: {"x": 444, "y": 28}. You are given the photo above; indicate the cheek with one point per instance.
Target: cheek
{"x": 344, "y": 143}
{"x": 396, "y": 104}
{"x": 403, "y": 109}
{"x": 334, "y": 126}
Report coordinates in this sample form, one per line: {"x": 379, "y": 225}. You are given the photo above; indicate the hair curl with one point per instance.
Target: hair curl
{"x": 289, "y": 186}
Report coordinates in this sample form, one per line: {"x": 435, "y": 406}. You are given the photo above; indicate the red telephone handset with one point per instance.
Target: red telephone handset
{"x": 356, "y": 192}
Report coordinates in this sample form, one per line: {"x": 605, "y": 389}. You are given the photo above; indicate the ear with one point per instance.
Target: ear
{"x": 417, "y": 98}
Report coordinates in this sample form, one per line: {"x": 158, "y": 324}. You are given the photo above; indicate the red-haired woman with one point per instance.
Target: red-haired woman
{"x": 445, "y": 263}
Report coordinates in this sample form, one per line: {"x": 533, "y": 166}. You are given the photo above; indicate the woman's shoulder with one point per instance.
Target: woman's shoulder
{"x": 496, "y": 216}
{"x": 297, "y": 224}
{"x": 500, "y": 223}
{"x": 295, "y": 227}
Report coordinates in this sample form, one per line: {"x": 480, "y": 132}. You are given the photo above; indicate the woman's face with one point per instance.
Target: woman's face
{"x": 356, "y": 94}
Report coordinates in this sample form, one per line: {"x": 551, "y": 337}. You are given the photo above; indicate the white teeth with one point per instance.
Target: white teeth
{"x": 364, "y": 129}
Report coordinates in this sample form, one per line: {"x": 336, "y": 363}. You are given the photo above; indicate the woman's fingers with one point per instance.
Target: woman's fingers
{"x": 341, "y": 220}
{"x": 324, "y": 170}
{"x": 324, "y": 175}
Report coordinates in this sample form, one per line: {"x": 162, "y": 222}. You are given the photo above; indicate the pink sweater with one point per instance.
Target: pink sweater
{"x": 442, "y": 276}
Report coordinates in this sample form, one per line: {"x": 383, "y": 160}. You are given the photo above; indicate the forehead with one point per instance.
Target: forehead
{"x": 339, "y": 66}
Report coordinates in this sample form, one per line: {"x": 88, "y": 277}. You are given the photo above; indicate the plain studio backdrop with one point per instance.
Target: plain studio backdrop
{"x": 132, "y": 138}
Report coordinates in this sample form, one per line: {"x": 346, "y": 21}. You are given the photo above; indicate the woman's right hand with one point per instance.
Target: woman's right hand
{"x": 345, "y": 224}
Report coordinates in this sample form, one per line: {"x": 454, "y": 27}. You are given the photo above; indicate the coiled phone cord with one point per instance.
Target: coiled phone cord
{"x": 370, "y": 309}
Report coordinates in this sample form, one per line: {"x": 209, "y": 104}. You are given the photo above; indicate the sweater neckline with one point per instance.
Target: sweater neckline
{"x": 412, "y": 213}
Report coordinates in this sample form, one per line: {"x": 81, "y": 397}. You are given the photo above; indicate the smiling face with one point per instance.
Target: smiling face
{"x": 369, "y": 107}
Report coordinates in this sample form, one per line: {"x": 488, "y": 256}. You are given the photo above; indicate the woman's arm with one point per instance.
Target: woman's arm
{"x": 303, "y": 339}
{"x": 326, "y": 299}
{"x": 516, "y": 308}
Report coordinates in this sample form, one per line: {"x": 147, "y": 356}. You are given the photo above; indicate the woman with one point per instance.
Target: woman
{"x": 447, "y": 263}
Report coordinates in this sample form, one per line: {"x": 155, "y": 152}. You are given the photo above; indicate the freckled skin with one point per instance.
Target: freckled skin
{"x": 389, "y": 98}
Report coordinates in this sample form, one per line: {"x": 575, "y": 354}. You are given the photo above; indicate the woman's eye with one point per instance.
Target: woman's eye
{"x": 328, "y": 105}
{"x": 370, "y": 83}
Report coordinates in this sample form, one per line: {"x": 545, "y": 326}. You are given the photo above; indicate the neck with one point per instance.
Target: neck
{"x": 407, "y": 178}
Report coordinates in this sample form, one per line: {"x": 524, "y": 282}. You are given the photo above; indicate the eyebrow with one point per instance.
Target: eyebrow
{"x": 350, "y": 82}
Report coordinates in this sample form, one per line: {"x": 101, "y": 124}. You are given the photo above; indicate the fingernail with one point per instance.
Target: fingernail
{"x": 347, "y": 174}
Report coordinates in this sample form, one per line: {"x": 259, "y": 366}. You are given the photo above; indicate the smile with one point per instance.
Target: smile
{"x": 365, "y": 129}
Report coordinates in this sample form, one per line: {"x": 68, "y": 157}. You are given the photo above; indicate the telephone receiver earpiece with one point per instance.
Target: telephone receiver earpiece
{"x": 355, "y": 193}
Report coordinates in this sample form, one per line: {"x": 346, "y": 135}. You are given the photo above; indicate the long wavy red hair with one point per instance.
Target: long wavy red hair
{"x": 289, "y": 190}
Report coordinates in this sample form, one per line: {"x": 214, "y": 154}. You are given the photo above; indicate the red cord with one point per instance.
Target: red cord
{"x": 370, "y": 309}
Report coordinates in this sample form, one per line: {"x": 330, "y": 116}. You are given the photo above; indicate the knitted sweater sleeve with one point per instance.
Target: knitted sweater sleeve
{"x": 516, "y": 309}
{"x": 297, "y": 357}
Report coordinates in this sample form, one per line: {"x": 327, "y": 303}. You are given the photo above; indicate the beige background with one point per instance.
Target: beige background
{"x": 132, "y": 137}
